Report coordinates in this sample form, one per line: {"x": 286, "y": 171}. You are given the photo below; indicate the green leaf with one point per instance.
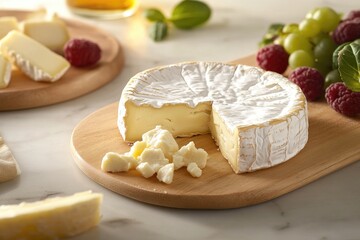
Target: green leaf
{"x": 336, "y": 55}
{"x": 275, "y": 28}
{"x": 153, "y": 15}
{"x": 189, "y": 14}
{"x": 158, "y": 31}
{"x": 349, "y": 66}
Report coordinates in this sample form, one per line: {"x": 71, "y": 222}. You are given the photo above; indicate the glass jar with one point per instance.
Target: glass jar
{"x": 105, "y": 9}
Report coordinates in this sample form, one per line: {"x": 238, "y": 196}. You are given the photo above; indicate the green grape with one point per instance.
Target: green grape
{"x": 327, "y": 18}
{"x": 301, "y": 58}
{"x": 310, "y": 14}
{"x": 280, "y": 40}
{"x": 324, "y": 69}
{"x": 296, "y": 41}
{"x": 291, "y": 28}
{"x": 316, "y": 39}
{"x": 309, "y": 27}
{"x": 332, "y": 77}
{"x": 323, "y": 51}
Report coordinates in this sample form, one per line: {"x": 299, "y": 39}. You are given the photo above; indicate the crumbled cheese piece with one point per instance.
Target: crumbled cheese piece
{"x": 114, "y": 162}
{"x": 155, "y": 157}
{"x": 194, "y": 170}
{"x": 145, "y": 169}
{"x": 137, "y": 148}
{"x": 188, "y": 154}
{"x": 163, "y": 139}
{"x": 166, "y": 173}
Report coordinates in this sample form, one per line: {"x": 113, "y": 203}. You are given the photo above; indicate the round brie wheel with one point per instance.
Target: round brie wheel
{"x": 258, "y": 119}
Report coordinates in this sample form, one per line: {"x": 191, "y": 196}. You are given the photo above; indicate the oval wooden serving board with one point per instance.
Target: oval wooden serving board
{"x": 23, "y": 93}
{"x": 332, "y": 145}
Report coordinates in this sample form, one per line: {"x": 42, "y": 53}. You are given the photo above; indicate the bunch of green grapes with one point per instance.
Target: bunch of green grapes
{"x": 309, "y": 43}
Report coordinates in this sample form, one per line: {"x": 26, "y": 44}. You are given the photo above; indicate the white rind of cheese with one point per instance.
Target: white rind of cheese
{"x": 258, "y": 119}
{"x": 166, "y": 173}
{"x": 7, "y": 24}
{"x": 32, "y": 58}
{"x": 194, "y": 170}
{"x": 5, "y": 72}
{"x": 50, "y": 31}
{"x": 52, "y": 218}
{"x": 9, "y": 168}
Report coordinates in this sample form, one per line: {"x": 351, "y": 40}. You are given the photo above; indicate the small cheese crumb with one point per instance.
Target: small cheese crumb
{"x": 137, "y": 148}
{"x": 155, "y": 157}
{"x": 114, "y": 162}
{"x": 163, "y": 139}
{"x": 188, "y": 154}
{"x": 166, "y": 173}
{"x": 194, "y": 170}
{"x": 145, "y": 169}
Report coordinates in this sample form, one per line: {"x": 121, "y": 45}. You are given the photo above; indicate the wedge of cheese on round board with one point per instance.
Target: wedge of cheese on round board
{"x": 32, "y": 58}
{"x": 52, "y": 218}
{"x": 258, "y": 119}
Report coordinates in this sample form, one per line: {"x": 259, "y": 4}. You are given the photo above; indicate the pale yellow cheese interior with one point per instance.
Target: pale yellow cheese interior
{"x": 51, "y": 218}
{"x": 181, "y": 120}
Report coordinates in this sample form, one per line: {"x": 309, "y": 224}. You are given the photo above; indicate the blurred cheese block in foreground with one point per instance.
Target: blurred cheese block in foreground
{"x": 52, "y": 218}
{"x": 5, "y": 72}
{"x": 50, "y": 31}
{"x": 33, "y": 58}
{"x": 9, "y": 168}
{"x": 7, "y": 24}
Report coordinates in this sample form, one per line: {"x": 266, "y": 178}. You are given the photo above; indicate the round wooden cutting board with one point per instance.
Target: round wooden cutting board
{"x": 25, "y": 93}
{"x": 331, "y": 146}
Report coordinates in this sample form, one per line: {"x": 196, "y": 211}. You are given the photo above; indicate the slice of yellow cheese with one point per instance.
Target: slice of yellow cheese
{"x": 32, "y": 58}
{"x": 51, "y": 218}
{"x": 7, "y": 24}
{"x": 51, "y": 31}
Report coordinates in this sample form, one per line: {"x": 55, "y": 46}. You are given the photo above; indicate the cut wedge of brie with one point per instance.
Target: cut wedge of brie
{"x": 52, "y": 218}
{"x": 51, "y": 31}
{"x": 258, "y": 119}
{"x": 33, "y": 58}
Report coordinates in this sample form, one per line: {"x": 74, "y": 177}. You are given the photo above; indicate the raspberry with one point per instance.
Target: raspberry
{"x": 342, "y": 99}
{"x": 347, "y": 31}
{"x": 82, "y": 52}
{"x": 352, "y": 15}
{"x": 310, "y": 81}
{"x": 273, "y": 58}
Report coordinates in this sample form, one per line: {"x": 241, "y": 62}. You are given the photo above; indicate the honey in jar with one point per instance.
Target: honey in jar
{"x": 107, "y": 9}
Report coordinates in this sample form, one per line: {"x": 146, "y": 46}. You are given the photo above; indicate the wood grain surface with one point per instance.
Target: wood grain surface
{"x": 333, "y": 144}
{"x": 23, "y": 93}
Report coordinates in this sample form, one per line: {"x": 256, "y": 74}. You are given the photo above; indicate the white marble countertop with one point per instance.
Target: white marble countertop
{"x": 327, "y": 209}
